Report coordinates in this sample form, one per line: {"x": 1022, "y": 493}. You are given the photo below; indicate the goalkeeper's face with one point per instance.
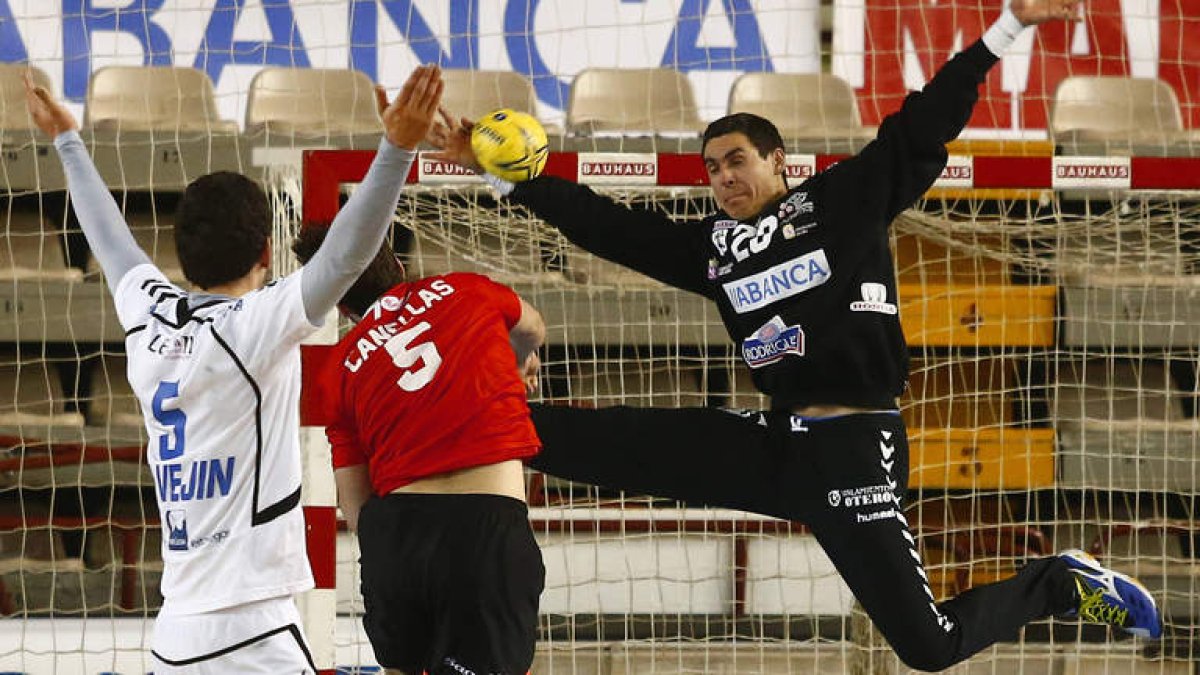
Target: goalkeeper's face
{"x": 743, "y": 181}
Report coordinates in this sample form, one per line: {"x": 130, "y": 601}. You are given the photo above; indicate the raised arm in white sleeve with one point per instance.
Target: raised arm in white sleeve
{"x": 356, "y": 233}
{"x": 107, "y": 232}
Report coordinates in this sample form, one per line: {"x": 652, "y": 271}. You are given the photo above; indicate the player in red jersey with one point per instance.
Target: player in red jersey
{"x": 430, "y": 426}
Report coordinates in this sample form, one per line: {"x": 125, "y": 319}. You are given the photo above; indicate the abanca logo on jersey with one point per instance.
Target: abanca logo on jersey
{"x": 771, "y": 342}
{"x": 781, "y": 281}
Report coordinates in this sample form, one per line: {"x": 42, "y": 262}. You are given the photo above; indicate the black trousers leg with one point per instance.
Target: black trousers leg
{"x": 698, "y": 455}
{"x": 845, "y": 477}
{"x": 857, "y": 462}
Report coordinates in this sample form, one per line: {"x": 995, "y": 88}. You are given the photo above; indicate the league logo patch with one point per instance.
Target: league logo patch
{"x": 874, "y": 300}
{"x": 177, "y": 534}
{"x": 720, "y": 240}
{"x": 771, "y": 342}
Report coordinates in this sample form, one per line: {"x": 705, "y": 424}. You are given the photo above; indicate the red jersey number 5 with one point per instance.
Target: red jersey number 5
{"x": 405, "y": 355}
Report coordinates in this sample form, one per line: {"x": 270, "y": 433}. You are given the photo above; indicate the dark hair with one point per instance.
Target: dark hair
{"x": 383, "y": 272}
{"x": 222, "y": 226}
{"x": 760, "y": 130}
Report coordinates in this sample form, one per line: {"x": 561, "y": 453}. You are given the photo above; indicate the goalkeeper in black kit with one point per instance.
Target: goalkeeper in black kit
{"x": 805, "y": 284}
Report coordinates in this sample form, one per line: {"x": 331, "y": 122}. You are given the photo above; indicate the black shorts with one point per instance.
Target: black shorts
{"x": 450, "y": 583}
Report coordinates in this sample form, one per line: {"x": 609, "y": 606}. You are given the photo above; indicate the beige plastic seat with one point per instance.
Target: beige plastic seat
{"x": 135, "y": 98}
{"x": 13, "y": 114}
{"x": 801, "y": 105}
{"x": 155, "y": 234}
{"x": 1138, "y": 111}
{"x": 1115, "y": 390}
{"x": 645, "y": 100}
{"x": 971, "y": 394}
{"x": 475, "y": 93}
{"x": 112, "y": 400}
{"x": 28, "y": 545}
{"x": 31, "y": 392}
{"x": 312, "y": 102}
{"x": 31, "y": 250}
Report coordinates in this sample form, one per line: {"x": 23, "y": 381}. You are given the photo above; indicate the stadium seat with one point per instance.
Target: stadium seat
{"x": 31, "y": 392}
{"x": 112, "y": 401}
{"x": 920, "y": 260}
{"x": 1121, "y": 425}
{"x": 969, "y": 394}
{"x": 135, "y": 98}
{"x": 1102, "y": 390}
{"x": 13, "y": 114}
{"x": 1119, "y": 114}
{"x": 311, "y": 102}
{"x": 31, "y": 250}
{"x": 808, "y": 107}
{"x": 156, "y": 239}
{"x": 969, "y": 542}
{"x": 632, "y": 101}
{"x": 474, "y": 93}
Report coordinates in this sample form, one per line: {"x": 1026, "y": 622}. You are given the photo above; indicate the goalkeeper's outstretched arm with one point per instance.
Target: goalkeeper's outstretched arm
{"x": 641, "y": 239}
{"x": 909, "y": 152}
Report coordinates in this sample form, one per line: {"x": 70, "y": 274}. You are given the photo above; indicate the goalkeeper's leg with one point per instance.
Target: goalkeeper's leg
{"x": 699, "y": 455}
{"x": 858, "y": 466}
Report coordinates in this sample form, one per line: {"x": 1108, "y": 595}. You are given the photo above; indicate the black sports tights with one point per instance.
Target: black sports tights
{"x": 844, "y": 477}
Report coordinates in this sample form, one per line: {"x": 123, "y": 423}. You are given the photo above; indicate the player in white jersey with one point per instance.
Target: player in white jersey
{"x": 217, "y": 373}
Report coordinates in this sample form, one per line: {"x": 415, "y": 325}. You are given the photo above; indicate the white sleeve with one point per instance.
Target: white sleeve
{"x": 1003, "y": 33}
{"x": 139, "y": 291}
{"x": 270, "y": 320}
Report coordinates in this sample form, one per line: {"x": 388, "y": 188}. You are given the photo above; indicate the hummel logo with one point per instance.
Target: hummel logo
{"x": 887, "y": 466}
{"x": 887, "y": 450}
{"x": 887, "y": 435}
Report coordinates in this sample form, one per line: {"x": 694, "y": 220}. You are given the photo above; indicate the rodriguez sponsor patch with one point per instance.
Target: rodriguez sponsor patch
{"x": 771, "y": 342}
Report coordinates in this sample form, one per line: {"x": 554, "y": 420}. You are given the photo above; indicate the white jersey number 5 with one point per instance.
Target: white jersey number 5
{"x": 405, "y": 355}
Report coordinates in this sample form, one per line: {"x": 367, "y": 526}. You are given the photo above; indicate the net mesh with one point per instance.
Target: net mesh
{"x": 1051, "y": 405}
{"x": 1053, "y": 395}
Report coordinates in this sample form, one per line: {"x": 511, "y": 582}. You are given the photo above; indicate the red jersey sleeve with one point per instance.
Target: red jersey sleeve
{"x": 341, "y": 432}
{"x": 345, "y": 446}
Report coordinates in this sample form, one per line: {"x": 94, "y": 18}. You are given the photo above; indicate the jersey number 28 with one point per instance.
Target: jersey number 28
{"x": 405, "y": 355}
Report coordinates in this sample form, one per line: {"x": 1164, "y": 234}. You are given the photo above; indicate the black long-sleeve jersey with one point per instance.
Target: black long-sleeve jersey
{"x": 807, "y": 288}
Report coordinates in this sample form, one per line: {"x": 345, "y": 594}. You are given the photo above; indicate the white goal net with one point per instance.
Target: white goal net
{"x": 1050, "y": 305}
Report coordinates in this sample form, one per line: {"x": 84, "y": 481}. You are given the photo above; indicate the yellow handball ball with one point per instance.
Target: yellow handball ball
{"x": 509, "y": 144}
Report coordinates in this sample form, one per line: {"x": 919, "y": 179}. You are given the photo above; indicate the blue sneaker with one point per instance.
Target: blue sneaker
{"x": 1110, "y": 597}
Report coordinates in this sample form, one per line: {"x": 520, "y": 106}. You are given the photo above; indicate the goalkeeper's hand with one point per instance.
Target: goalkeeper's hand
{"x": 1034, "y": 12}
{"x": 48, "y": 114}
{"x": 453, "y": 141}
